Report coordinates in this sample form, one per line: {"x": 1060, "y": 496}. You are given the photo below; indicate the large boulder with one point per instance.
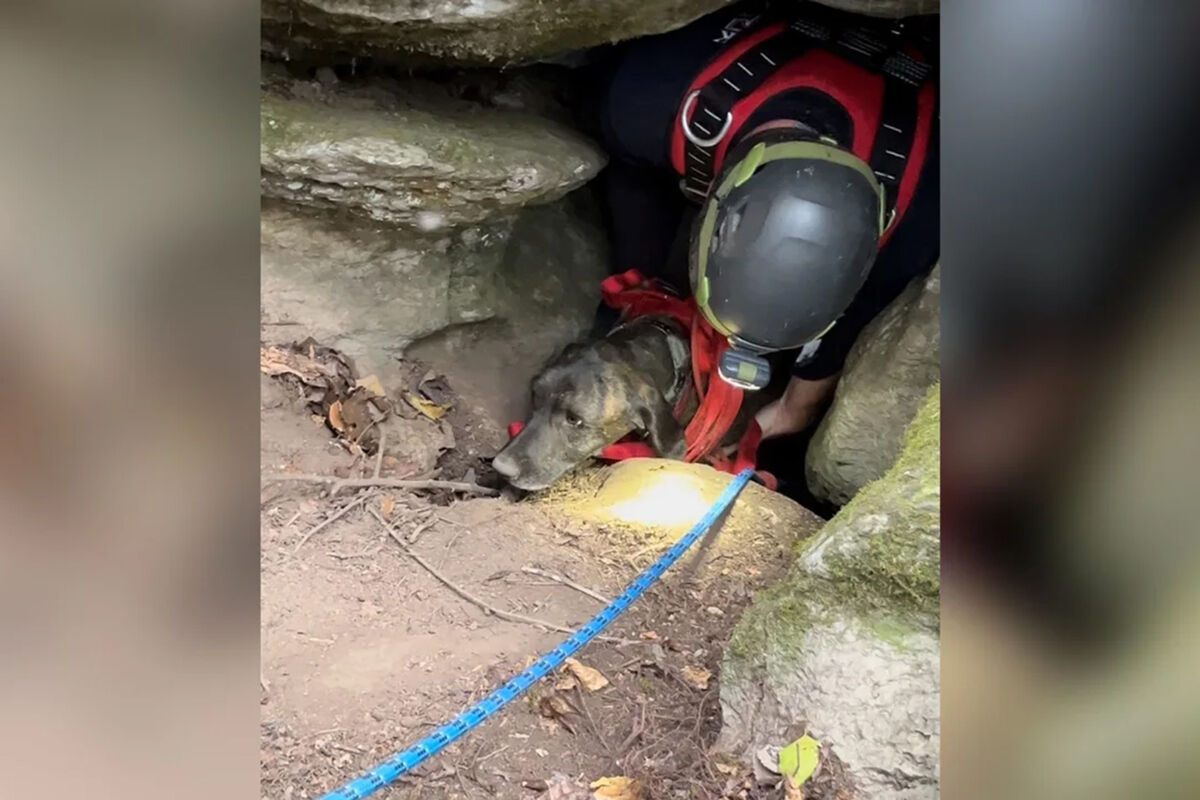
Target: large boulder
{"x": 494, "y": 31}
{"x": 426, "y": 165}
{"x": 848, "y": 644}
{"x": 888, "y": 372}
{"x": 470, "y": 31}
{"x": 395, "y": 209}
{"x": 371, "y": 290}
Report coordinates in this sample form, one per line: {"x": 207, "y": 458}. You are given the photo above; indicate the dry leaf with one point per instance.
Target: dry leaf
{"x": 431, "y": 410}
{"x": 553, "y": 706}
{"x": 618, "y": 788}
{"x": 591, "y": 679}
{"x": 727, "y": 769}
{"x": 277, "y": 361}
{"x": 696, "y": 677}
{"x": 371, "y": 384}
{"x": 566, "y": 684}
{"x": 792, "y": 790}
{"x": 335, "y": 417}
{"x": 650, "y": 636}
{"x": 387, "y": 505}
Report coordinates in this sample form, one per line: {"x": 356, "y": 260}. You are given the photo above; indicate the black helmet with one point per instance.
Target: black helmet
{"x": 785, "y": 240}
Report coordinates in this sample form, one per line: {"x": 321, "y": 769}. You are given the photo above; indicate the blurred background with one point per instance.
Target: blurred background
{"x": 129, "y": 309}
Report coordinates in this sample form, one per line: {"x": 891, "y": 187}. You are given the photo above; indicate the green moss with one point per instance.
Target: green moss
{"x": 879, "y": 558}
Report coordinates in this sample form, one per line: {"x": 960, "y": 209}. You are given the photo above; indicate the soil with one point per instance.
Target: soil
{"x": 364, "y": 651}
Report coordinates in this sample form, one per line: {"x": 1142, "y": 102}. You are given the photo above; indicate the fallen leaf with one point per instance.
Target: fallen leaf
{"x": 431, "y": 410}
{"x": 371, "y": 384}
{"x": 696, "y": 677}
{"x": 387, "y": 504}
{"x": 591, "y": 679}
{"x": 617, "y": 788}
{"x": 566, "y": 684}
{"x": 727, "y": 769}
{"x": 766, "y": 764}
{"x": 553, "y": 706}
{"x": 335, "y": 417}
{"x": 799, "y": 760}
{"x": 792, "y": 791}
{"x": 560, "y": 787}
{"x": 650, "y": 636}
{"x": 276, "y": 361}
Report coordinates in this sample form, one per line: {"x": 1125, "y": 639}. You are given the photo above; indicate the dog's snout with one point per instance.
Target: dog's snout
{"x": 506, "y": 465}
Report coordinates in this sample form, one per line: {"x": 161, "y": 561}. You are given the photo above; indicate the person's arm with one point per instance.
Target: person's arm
{"x": 799, "y": 406}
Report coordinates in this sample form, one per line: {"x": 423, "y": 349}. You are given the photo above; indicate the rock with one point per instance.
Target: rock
{"x": 886, "y": 8}
{"x": 439, "y": 165}
{"x": 888, "y": 373}
{"x": 656, "y": 501}
{"x": 468, "y": 31}
{"x": 848, "y": 642}
{"x": 370, "y": 290}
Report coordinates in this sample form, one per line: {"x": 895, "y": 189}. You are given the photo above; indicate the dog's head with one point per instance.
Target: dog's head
{"x": 587, "y": 398}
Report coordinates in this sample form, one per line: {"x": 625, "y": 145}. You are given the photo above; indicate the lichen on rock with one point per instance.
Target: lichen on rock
{"x": 848, "y": 642}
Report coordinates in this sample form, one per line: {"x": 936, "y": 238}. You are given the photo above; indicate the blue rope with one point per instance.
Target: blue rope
{"x": 406, "y": 760}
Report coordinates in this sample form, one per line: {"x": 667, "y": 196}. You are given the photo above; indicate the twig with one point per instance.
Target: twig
{"x": 470, "y": 598}
{"x": 592, "y": 723}
{"x": 394, "y": 483}
{"x": 541, "y": 573}
{"x": 417, "y": 531}
{"x": 379, "y": 455}
{"x": 360, "y": 554}
{"x": 341, "y": 513}
{"x": 639, "y": 727}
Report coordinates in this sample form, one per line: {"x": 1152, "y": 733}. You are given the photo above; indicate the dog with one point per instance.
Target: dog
{"x": 596, "y": 392}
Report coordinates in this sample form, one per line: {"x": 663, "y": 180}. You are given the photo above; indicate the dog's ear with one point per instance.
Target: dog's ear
{"x": 657, "y": 418}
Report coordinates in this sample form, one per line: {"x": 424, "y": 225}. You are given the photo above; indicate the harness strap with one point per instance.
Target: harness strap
{"x": 706, "y": 116}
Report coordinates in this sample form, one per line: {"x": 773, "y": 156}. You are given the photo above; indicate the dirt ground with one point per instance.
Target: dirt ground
{"x": 364, "y": 651}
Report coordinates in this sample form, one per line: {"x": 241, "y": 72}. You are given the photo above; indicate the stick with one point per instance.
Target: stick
{"x": 470, "y": 598}
{"x": 394, "y": 483}
{"x": 379, "y": 455}
{"x": 541, "y": 573}
{"x": 341, "y": 513}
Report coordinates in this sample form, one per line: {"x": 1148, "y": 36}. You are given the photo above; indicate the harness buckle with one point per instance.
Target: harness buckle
{"x": 687, "y": 130}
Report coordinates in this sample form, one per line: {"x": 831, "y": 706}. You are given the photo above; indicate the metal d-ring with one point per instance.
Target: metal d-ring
{"x": 687, "y": 130}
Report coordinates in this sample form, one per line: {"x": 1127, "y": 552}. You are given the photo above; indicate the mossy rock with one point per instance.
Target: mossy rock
{"x": 848, "y": 643}
{"x": 426, "y": 168}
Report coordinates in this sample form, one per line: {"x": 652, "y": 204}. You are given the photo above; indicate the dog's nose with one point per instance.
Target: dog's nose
{"x": 506, "y": 465}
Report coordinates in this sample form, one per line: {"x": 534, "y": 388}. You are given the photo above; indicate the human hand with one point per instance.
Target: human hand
{"x": 796, "y": 410}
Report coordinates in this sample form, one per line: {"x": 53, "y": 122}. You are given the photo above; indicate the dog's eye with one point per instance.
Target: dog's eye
{"x": 572, "y": 419}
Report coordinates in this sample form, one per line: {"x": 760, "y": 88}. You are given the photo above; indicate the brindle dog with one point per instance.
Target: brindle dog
{"x": 594, "y": 393}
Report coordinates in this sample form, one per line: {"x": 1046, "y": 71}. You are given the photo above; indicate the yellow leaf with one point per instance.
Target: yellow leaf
{"x": 431, "y": 410}
{"x": 591, "y": 679}
{"x": 335, "y": 417}
{"x": 798, "y": 761}
{"x": 387, "y": 505}
{"x": 372, "y": 385}
{"x": 696, "y": 677}
{"x": 618, "y": 788}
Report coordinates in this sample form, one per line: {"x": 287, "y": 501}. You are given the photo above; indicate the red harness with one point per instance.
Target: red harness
{"x": 719, "y": 401}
